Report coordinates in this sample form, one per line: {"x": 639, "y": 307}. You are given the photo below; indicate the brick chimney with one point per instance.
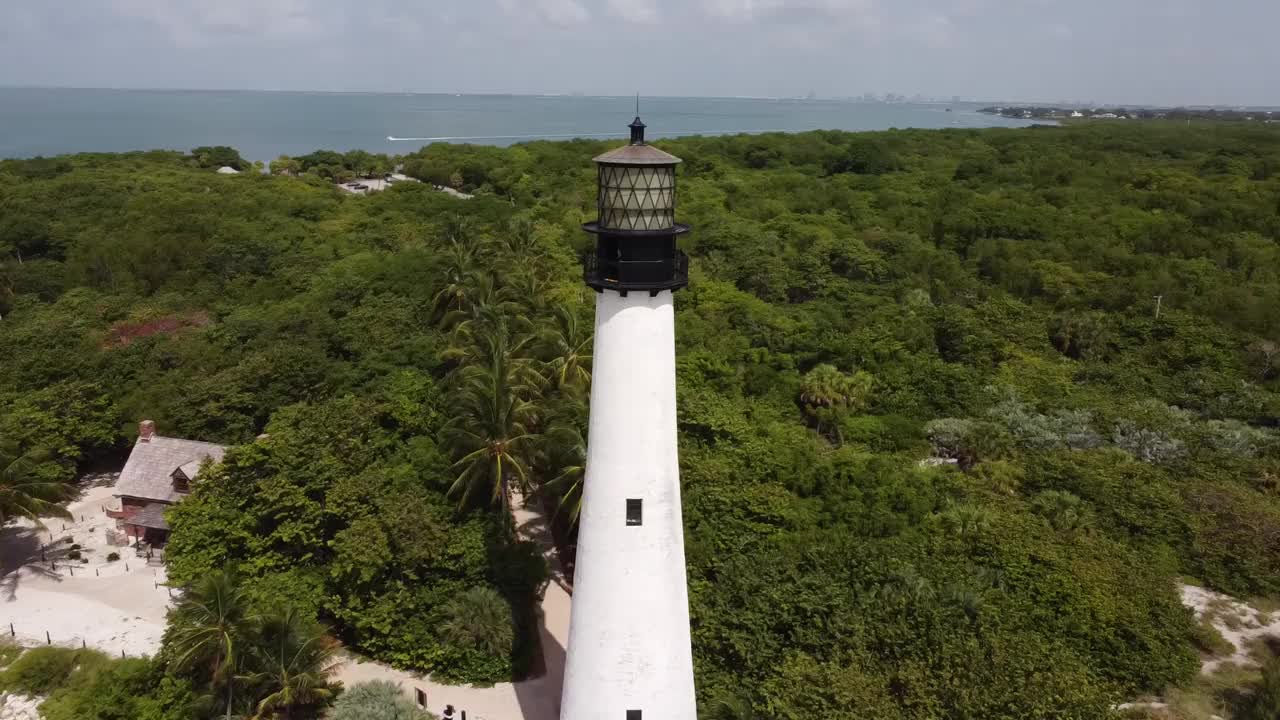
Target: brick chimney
{"x": 146, "y": 430}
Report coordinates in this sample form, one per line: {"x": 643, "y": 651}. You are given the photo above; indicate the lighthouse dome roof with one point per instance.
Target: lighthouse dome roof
{"x": 637, "y": 155}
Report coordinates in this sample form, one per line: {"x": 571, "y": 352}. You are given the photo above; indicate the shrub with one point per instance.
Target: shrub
{"x": 967, "y": 441}
{"x": 40, "y": 671}
{"x": 376, "y": 700}
{"x": 8, "y": 653}
{"x": 480, "y": 618}
{"x": 74, "y": 555}
{"x": 1150, "y": 446}
{"x": 75, "y": 546}
{"x": 1060, "y": 429}
{"x": 1240, "y": 439}
{"x": 113, "y": 556}
{"x": 125, "y": 688}
{"x": 1266, "y": 699}
{"x": 1209, "y": 640}
{"x": 885, "y": 433}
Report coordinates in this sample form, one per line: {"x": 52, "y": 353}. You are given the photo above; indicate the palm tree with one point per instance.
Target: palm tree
{"x": 1065, "y": 511}
{"x": 460, "y": 229}
{"x": 562, "y": 452}
{"x": 826, "y": 394}
{"x": 966, "y": 521}
{"x": 492, "y": 432}
{"x": 462, "y": 265}
{"x": 293, "y": 661}
{"x": 529, "y": 286}
{"x": 481, "y": 619}
{"x": 566, "y": 453}
{"x": 478, "y": 302}
{"x": 905, "y": 586}
{"x": 568, "y": 345}
{"x": 22, "y": 494}
{"x": 519, "y": 237}
{"x": 210, "y": 627}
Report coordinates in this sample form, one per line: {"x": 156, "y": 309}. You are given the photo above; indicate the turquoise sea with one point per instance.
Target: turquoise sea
{"x": 262, "y": 125}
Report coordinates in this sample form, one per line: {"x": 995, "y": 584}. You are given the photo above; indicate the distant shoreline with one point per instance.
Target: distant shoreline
{"x": 263, "y": 124}
{"x": 1057, "y": 112}
{"x": 840, "y": 99}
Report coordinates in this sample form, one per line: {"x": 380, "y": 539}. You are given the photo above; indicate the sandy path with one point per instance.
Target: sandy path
{"x": 534, "y": 699}
{"x": 1251, "y": 624}
{"x": 113, "y": 606}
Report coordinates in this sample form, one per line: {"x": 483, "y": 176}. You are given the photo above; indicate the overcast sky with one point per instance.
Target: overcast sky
{"x": 1108, "y": 51}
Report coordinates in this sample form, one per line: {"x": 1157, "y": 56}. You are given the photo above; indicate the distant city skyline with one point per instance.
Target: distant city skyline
{"x": 1102, "y": 52}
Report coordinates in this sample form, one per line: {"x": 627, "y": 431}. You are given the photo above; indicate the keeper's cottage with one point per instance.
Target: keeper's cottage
{"x": 159, "y": 473}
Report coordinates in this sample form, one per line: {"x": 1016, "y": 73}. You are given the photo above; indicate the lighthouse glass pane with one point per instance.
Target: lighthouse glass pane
{"x": 633, "y": 715}
{"x": 637, "y": 197}
{"x": 634, "y": 510}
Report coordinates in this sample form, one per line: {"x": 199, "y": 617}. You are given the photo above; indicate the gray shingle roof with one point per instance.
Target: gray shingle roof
{"x": 149, "y": 472}
{"x": 192, "y": 468}
{"x": 151, "y": 516}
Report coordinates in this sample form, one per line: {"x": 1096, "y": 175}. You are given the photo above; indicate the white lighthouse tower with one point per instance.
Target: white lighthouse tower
{"x": 629, "y": 656}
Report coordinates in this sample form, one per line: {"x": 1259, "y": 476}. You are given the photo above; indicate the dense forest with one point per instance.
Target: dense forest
{"x": 959, "y": 409}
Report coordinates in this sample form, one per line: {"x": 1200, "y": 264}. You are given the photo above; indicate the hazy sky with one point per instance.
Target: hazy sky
{"x": 1141, "y": 51}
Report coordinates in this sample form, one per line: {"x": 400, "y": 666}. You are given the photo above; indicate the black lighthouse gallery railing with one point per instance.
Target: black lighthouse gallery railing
{"x": 623, "y": 275}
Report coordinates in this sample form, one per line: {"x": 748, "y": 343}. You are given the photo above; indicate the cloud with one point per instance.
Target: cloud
{"x": 730, "y": 10}
{"x": 742, "y": 11}
{"x": 749, "y": 47}
{"x": 934, "y": 30}
{"x": 564, "y": 13}
{"x": 204, "y": 23}
{"x": 643, "y": 12}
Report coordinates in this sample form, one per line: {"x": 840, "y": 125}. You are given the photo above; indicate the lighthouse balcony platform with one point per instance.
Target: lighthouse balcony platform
{"x": 625, "y": 276}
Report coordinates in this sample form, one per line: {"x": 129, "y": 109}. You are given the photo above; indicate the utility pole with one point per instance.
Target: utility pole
{"x": 1159, "y": 299}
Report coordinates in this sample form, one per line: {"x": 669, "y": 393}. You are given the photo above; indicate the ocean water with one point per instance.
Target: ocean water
{"x": 263, "y": 125}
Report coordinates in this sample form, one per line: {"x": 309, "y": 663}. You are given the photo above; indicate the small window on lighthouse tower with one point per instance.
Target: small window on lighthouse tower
{"x": 634, "y": 517}
{"x": 633, "y": 715}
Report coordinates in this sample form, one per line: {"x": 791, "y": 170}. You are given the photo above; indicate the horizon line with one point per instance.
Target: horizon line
{"x": 925, "y": 99}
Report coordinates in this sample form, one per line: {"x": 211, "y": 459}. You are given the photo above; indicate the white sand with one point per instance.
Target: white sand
{"x": 113, "y": 606}
{"x": 19, "y": 707}
{"x": 1253, "y": 624}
